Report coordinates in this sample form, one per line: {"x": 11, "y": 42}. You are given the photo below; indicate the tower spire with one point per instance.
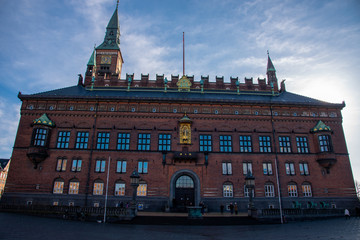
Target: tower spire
{"x": 271, "y": 73}
{"x": 112, "y": 36}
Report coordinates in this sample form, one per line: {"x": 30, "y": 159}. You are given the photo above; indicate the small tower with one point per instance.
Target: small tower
{"x": 271, "y": 74}
{"x": 91, "y": 68}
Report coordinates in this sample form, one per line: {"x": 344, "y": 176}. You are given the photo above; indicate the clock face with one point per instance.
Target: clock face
{"x": 105, "y": 59}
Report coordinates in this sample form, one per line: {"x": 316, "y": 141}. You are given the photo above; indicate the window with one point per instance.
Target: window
{"x": 228, "y": 190}
{"x": 123, "y": 142}
{"x": 225, "y": 143}
{"x": 61, "y": 164}
{"x": 82, "y": 139}
{"x": 245, "y": 144}
{"x": 265, "y": 143}
{"x": 246, "y": 192}
{"x": 58, "y": 186}
{"x": 144, "y": 141}
{"x": 121, "y": 166}
{"x": 100, "y": 165}
{"x": 74, "y": 187}
{"x": 226, "y": 168}
{"x": 304, "y": 169}
{"x": 324, "y": 142}
{"x": 102, "y": 140}
{"x": 284, "y": 144}
{"x": 98, "y": 187}
{"x": 267, "y": 168}
{"x": 247, "y": 168}
{"x": 302, "y": 145}
{"x": 63, "y": 139}
{"x": 205, "y": 143}
{"x": 120, "y": 189}
{"x": 184, "y": 182}
{"x": 143, "y": 167}
{"x": 292, "y": 190}
{"x": 306, "y": 189}
{"x": 76, "y": 165}
{"x": 142, "y": 189}
{"x": 39, "y": 137}
{"x": 164, "y": 142}
{"x": 269, "y": 190}
{"x": 290, "y": 168}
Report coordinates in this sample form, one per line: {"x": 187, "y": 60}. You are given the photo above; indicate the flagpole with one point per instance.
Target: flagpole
{"x": 183, "y": 54}
{"x": 106, "y": 191}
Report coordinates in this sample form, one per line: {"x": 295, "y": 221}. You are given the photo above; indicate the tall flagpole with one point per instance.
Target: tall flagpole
{"x": 183, "y": 54}
{"x": 106, "y": 192}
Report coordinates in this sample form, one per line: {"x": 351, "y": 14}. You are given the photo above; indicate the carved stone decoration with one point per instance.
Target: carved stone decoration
{"x": 185, "y": 130}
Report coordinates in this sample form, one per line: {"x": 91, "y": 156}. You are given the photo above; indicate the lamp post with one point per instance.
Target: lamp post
{"x": 134, "y": 182}
{"x": 250, "y": 185}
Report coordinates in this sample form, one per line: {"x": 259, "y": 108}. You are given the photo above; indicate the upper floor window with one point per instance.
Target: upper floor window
{"x": 247, "y": 168}
{"x": 205, "y": 143}
{"x": 39, "y": 137}
{"x": 265, "y": 143}
{"x": 63, "y": 139}
{"x": 292, "y": 190}
{"x": 284, "y": 144}
{"x": 225, "y": 143}
{"x": 123, "y": 142}
{"x": 325, "y": 144}
{"x": 245, "y": 144}
{"x": 143, "y": 166}
{"x": 302, "y": 145}
{"x": 267, "y": 168}
{"x": 61, "y": 164}
{"x": 144, "y": 141}
{"x": 82, "y": 139}
{"x": 121, "y": 166}
{"x": 58, "y": 186}
{"x": 74, "y": 187}
{"x": 76, "y": 165}
{"x": 290, "y": 168}
{"x": 228, "y": 190}
{"x": 102, "y": 140}
{"x": 100, "y": 165}
{"x": 164, "y": 142}
{"x": 269, "y": 190}
{"x": 304, "y": 169}
{"x": 226, "y": 168}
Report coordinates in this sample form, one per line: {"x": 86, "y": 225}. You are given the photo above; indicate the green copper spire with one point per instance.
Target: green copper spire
{"x": 92, "y": 60}
{"x": 112, "y": 36}
{"x": 270, "y": 65}
{"x": 44, "y": 120}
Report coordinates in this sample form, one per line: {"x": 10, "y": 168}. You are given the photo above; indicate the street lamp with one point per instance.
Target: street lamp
{"x": 134, "y": 182}
{"x": 250, "y": 185}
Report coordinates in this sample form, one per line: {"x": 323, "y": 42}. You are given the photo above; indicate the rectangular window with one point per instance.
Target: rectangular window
{"x": 143, "y": 167}
{"x": 63, "y": 139}
{"x": 121, "y": 166}
{"x": 269, "y": 190}
{"x": 290, "y": 168}
{"x": 58, "y": 187}
{"x": 102, "y": 141}
{"x": 228, "y": 190}
{"x": 76, "y": 165}
{"x": 284, "y": 144}
{"x": 247, "y": 168}
{"x": 142, "y": 189}
{"x": 82, "y": 139}
{"x": 123, "y": 142}
{"x": 120, "y": 189}
{"x": 304, "y": 169}
{"x": 40, "y": 135}
{"x": 100, "y": 166}
{"x": 265, "y": 143}
{"x": 292, "y": 190}
{"x": 245, "y": 144}
{"x": 164, "y": 142}
{"x": 205, "y": 142}
{"x": 61, "y": 165}
{"x": 226, "y": 168}
{"x": 324, "y": 142}
{"x": 98, "y": 188}
{"x": 302, "y": 145}
{"x": 74, "y": 188}
{"x": 267, "y": 168}
{"x": 144, "y": 142}
{"x": 306, "y": 189}
{"x": 225, "y": 143}
{"x": 246, "y": 192}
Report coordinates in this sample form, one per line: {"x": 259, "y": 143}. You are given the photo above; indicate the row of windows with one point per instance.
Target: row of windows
{"x": 164, "y": 142}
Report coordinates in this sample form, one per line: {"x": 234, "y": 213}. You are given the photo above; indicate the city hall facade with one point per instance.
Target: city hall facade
{"x": 191, "y": 140}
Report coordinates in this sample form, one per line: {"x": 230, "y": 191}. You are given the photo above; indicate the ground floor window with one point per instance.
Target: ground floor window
{"x": 58, "y": 186}
{"x": 246, "y": 192}
{"x": 98, "y": 188}
{"x": 269, "y": 190}
{"x": 228, "y": 190}
{"x": 74, "y": 187}
{"x": 142, "y": 189}
{"x": 292, "y": 190}
{"x": 119, "y": 189}
{"x": 306, "y": 189}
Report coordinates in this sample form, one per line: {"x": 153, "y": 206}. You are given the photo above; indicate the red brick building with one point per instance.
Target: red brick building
{"x": 191, "y": 140}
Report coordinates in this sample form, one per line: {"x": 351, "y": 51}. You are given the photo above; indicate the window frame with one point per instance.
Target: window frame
{"x": 102, "y": 140}
{"x": 226, "y": 168}
{"x": 269, "y": 190}
{"x": 306, "y": 190}
{"x": 302, "y": 144}
{"x": 82, "y": 139}
{"x": 228, "y": 190}
{"x": 290, "y": 169}
{"x": 142, "y": 189}
{"x": 292, "y": 190}
{"x": 245, "y": 143}
{"x": 121, "y": 166}
{"x": 98, "y": 188}
{"x": 143, "y": 166}
{"x": 40, "y": 137}
{"x": 74, "y": 186}
{"x": 304, "y": 169}
{"x": 205, "y": 143}
{"x": 58, "y": 186}
{"x": 225, "y": 143}
{"x": 144, "y": 146}
{"x": 61, "y": 163}
{"x": 325, "y": 144}
{"x": 123, "y": 141}
{"x": 267, "y": 168}
{"x": 100, "y": 165}
{"x": 120, "y": 188}
{"x": 284, "y": 144}
{"x": 247, "y": 167}
{"x": 265, "y": 144}
{"x": 63, "y": 139}
{"x": 164, "y": 147}
{"x": 76, "y": 165}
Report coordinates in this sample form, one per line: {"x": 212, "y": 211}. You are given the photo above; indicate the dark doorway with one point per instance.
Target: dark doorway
{"x": 184, "y": 193}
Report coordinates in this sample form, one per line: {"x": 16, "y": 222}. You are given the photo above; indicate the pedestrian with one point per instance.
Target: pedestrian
{"x": 347, "y": 214}
{"x": 222, "y": 208}
{"x": 236, "y": 209}
{"x": 231, "y": 208}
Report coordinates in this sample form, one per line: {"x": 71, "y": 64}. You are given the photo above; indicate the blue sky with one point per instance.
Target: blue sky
{"x": 314, "y": 45}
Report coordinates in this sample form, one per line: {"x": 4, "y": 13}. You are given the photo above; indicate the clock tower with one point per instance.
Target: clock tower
{"x": 106, "y": 60}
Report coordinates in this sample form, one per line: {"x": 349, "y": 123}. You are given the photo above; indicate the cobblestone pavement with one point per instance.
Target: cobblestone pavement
{"x": 17, "y": 226}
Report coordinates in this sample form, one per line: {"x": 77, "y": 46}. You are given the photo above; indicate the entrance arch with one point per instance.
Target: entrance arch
{"x": 184, "y": 188}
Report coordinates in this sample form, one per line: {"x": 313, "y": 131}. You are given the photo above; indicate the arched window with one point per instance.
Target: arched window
{"x": 228, "y": 189}
{"x": 306, "y": 189}
{"x": 58, "y": 186}
{"x": 269, "y": 189}
{"x": 142, "y": 189}
{"x": 74, "y": 186}
{"x": 184, "y": 182}
{"x": 120, "y": 188}
{"x": 98, "y": 187}
{"x": 292, "y": 189}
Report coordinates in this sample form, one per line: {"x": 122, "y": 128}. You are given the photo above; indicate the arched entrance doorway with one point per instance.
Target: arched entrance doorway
{"x": 184, "y": 192}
